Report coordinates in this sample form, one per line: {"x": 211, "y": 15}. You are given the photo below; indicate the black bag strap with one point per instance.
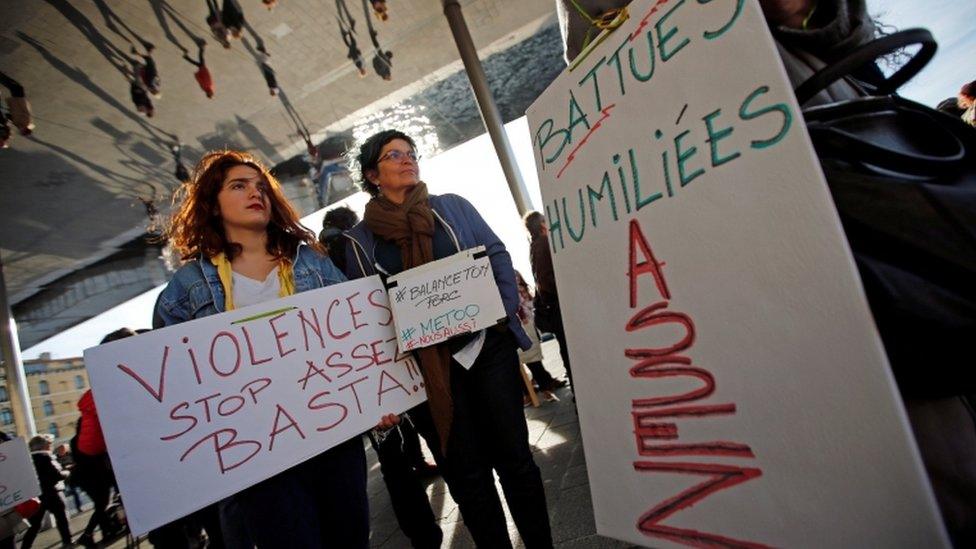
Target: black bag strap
{"x": 868, "y": 53}
{"x": 843, "y": 144}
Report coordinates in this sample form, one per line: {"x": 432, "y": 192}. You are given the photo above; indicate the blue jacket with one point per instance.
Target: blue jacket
{"x": 468, "y": 229}
{"x": 195, "y": 290}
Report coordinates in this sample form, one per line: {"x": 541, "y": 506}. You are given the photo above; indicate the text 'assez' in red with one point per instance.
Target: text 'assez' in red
{"x": 655, "y": 418}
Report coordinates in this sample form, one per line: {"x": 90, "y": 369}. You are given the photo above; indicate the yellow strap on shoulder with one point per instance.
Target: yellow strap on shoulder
{"x": 286, "y": 279}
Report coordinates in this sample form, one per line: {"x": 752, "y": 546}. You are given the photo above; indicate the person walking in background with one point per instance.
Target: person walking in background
{"x": 532, "y": 357}
{"x": 548, "y": 316}
{"x": 93, "y": 468}
{"x": 242, "y": 240}
{"x": 473, "y": 420}
{"x": 51, "y": 477}
{"x": 63, "y": 454}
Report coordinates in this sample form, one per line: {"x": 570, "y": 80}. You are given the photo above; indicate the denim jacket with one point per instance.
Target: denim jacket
{"x": 468, "y": 229}
{"x": 195, "y": 290}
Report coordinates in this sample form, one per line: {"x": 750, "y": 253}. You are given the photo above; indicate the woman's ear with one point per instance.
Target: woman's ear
{"x": 372, "y": 176}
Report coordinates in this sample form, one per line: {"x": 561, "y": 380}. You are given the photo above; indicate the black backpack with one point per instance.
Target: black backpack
{"x": 903, "y": 179}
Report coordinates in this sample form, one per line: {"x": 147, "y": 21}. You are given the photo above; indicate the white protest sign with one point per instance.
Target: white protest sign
{"x": 195, "y": 412}
{"x": 18, "y": 479}
{"x": 731, "y": 385}
{"x": 445, "y": 298}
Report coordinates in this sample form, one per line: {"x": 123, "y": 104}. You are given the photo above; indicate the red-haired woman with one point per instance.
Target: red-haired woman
{"x": 243, "y": 245}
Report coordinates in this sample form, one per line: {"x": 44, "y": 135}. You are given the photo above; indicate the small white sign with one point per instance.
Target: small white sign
{"x": 444, "y": 298}
{"x": 195, "y": 412}
{"x": 18, "y": 480}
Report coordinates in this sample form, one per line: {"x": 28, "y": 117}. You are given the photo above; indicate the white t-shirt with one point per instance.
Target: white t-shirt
{"x": 247, "y": 291}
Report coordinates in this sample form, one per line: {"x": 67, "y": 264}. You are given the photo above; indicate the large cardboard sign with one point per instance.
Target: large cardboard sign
{"x": 731, "y": 384}
{"x": 445, "y": 298}
{"x": 18, "y": 479}
{"x": 196, "y": 412}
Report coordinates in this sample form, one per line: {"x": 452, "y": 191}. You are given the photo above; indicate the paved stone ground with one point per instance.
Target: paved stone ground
{"x": 555, "y": 438}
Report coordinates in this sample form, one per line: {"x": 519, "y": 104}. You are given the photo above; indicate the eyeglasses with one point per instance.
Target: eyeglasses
{"x": 397, "y": 156}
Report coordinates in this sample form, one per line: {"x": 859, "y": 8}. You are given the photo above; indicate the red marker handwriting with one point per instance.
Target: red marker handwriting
{"x": 572, "y": 155}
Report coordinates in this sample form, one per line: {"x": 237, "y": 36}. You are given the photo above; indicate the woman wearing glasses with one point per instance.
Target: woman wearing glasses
{"x": 243, "y": 244}
{"x": 474, "y": 421}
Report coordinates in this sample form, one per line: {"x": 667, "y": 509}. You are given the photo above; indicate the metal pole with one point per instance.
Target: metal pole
{"x": 16, "y": 380}
{"x": 489, "y": 111}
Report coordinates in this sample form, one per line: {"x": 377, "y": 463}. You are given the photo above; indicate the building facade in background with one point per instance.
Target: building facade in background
{"x": 54, "y": 385}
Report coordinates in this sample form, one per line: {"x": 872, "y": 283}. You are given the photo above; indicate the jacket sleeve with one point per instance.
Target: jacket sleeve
{"x": 501, "y": 261}
{"x": 166, "y": 312}
{"x": 542, "y": 269}
{"x": 49, "y": 473}
{"x": 330, "y": 272}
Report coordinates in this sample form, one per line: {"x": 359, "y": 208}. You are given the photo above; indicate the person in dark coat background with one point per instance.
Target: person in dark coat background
{"x": 548, "y": 317}
{"x": 51, "y": 478}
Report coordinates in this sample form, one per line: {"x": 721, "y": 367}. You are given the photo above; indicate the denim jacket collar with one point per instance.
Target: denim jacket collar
{"x": 306, "y": 276}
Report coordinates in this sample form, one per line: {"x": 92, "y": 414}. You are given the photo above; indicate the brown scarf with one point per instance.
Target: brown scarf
{"x": 411, "y": 226}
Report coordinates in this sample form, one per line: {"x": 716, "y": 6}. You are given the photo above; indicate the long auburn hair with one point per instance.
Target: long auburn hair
{"x": 196, "y": 228}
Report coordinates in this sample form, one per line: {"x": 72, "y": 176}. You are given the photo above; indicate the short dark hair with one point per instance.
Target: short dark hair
{"x": 534, "y": 221}
{"x": 967, "y": 95}
{"x": 369, "y": 155}
{"x": 342, "y": 217}
{"x": 121, "y": 333}
{"x": 335, "y": 221}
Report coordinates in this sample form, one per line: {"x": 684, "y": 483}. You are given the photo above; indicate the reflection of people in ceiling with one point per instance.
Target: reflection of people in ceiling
{"x": 202, "y": 74}
{"x": 5, "y": 133}
{"x": 147, "y": 71}
{"x": 140, "y": 97}
{"x": 379, "y": 9}
{"x": 269, "y": 78}
{"x": 347, "y": 27}
{"x": 382, "y": 59}
{"x": 18, "y": 107}
{"x": 217, "y": 28}
{"x": 232, "y": 16}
